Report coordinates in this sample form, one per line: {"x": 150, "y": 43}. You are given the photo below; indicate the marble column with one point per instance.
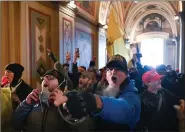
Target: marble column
{"x": 0, "y": 39}
{"x": 182, "y": 39}
{"x": 102, "y": 48}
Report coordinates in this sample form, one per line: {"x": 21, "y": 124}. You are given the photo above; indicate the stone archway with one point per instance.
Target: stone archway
{"x": 105, "y": 9}
{"x": 137, "y": 13}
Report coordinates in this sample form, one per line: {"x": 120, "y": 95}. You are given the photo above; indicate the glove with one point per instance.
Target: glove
{"x": 80, "y": 104}
{"x": 52, "y": 56}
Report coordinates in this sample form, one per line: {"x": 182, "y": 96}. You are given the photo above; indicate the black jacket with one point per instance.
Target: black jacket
{"x": 22, "y": 92}
{"x": 156, "y": 116}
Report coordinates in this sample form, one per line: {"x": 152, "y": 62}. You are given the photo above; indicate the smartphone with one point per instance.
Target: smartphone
{"x": 77, "y": 52}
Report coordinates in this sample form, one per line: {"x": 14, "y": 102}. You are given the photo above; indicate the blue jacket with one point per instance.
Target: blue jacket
{"x": 125, "y": 109}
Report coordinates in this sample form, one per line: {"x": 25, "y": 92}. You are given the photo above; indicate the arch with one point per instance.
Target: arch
{"x": 104, "y": 10}
{"x": 142, "y": 36}
{"x": 168, "y": 13}
{"x": 170, "y": 20}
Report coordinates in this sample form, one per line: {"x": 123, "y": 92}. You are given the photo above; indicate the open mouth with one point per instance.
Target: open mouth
{"x": 114, "y": 79}
{"x": 80, "y": 82}
{"x": 45, "y": 85}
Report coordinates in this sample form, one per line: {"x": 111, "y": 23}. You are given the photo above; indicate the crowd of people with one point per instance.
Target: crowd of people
{"x": 113, "y": 98}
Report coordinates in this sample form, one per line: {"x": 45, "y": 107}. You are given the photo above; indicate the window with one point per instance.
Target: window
{"x": 152, "y": 51}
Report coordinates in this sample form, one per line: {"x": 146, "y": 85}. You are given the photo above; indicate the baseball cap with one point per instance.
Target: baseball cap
{"x": 151, "y": 76}
{"x": 117, "y": 62}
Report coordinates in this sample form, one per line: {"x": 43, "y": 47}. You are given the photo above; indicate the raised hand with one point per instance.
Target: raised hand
{"x": 58, "y": 97}
{"x": 68, "y": 57}
{"x": 180, "y": 109}
{"x": 33, "y": 97}
{"x": 51, "y": 55}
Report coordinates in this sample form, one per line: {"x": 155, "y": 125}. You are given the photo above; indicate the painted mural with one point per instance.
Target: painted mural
{"x": 84, "y": 42}
{"x": 67, "y": 37}
{"x": 39, "y": 42}
{"x": 88, "y": 6}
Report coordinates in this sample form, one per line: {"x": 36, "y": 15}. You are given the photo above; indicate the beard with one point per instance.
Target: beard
{"x": 111, "y": 91}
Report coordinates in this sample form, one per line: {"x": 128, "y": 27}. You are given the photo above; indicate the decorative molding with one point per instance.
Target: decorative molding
{"x": 147, "y": 35}
{"x": 90, "y": 10}
{"x": 39, "y": 33}
{"x": 131, "y": 24}
{"x": 67, "y": 36}
{"x": 67, "y": 10}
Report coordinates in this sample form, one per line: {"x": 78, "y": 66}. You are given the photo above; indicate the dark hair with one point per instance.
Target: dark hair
{"x": 83, "y": 67}
{"x": 17, "y": 69}
{"x": 65, "y": 64}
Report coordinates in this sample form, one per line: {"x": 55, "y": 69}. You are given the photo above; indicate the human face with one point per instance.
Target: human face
{"x": 9, "y": 75}
{"x": 83, "y": 82}
{"x": 80, "y": 69}
{"x": 115, "y": 77}
{"x": 50, "y": 82}
{"x": 154, "y": 85}
{"x": 66, "y": 68}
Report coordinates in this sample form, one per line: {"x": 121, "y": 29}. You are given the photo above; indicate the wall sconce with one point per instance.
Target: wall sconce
{"x": 105, "y": 27}
{"x": 176, "y": 17}
{"x": 72, "y": 4}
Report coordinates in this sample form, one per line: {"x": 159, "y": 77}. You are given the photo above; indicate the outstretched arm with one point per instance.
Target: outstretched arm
{"x": 123, "y": 110}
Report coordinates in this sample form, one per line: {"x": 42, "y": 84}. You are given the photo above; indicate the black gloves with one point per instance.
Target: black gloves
{"x": 80, "y": 104}
{"x": 52, "y": 56}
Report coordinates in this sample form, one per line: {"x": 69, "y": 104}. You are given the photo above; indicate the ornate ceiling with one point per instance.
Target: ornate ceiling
{"x": 130, "y": 14}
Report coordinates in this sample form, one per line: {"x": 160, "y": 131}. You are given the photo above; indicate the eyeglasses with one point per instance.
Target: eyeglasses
{"x": 49, "y": 77}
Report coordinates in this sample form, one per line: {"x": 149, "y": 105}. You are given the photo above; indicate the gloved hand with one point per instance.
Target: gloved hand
{"x": 52, "y": 56}
{"x": 80, "y": 104}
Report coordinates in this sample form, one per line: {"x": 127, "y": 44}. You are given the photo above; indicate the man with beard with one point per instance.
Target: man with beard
{"x": 86, "y": 80}
{"x": 37, "y": 113}
{"x": 119, "y": 107}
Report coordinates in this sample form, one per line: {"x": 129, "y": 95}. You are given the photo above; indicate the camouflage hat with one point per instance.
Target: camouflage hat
{"x": 87, "y": 74}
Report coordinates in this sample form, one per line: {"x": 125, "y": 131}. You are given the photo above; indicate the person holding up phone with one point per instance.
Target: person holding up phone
{"x": 37, "y": 113}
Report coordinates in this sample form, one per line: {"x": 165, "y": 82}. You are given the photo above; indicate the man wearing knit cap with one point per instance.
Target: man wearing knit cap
{"x": 20, "y": 89}
{"x": 119, "y": 107}
{"x": 37, "y": 113}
